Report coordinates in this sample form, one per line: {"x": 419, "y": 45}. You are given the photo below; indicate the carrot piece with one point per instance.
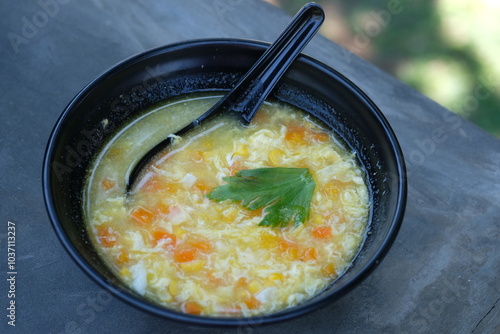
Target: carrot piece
{"x": 254, "y": 213}
{"x": 159, "y": 235}
{"x": 322, "y": 232}
{"x": 152, "y": 184}
{"x": 215, "y": 281}
{"x": 203, "y": 187}
{"x": 106, "y": 236}
{"x": 252, "y": 303}
{"x": 203, "y": 246}
{"x": 158, "y": 183}
{"x": 184, "y": 255}
{"x": 107, "y": 184}
{"x": 142, "y": 216}
{"x": 296, "y": 135}
{"x": 242, "y": 282}
{"x": 309, "y": 254}
{"x": 321, "y": 137}
{"x": 192, "y": 308}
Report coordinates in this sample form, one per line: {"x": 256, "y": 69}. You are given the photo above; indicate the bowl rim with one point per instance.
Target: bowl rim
{"x": 171, "y": 314}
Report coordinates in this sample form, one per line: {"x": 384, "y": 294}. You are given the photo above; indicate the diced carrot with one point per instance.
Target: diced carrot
{"x": 107, "y": 236}
{"x": 252, "y": 303}
{"x": 184, "y": 255}
{"x": 215, "y": 281}
{"x": 308, "y": 254}
{"x": 192, "y": 308}
{"x": 159, "y": 235}
{"x": 107, "y": 184}
{"x": 322, "y": 232}
{"x": 203, "y": 187}
{"x": 296, "y": 135}
{"x": 321, "y": 137}
{"x": 242, "y": 282}
{"x": 253, "y": 213}
{"x": 158, "y": 183}
{"x": 142, "y": 216}
{"x": 153, "y": 184}
{"x": 203, "y": 246}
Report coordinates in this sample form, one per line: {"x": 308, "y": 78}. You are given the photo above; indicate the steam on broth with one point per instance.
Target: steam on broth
{"x": 176, "y": 247}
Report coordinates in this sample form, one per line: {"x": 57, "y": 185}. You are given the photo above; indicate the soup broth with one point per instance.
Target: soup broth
{"x": 178, "y": 248}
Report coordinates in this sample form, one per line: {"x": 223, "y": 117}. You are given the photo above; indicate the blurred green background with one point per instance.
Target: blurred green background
{"x": 449, "y": 50}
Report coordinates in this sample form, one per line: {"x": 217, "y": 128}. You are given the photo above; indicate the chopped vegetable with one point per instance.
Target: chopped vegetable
{"x": 192, "y": 308}
{"x": 106, "y": 236}
{"x": 322, "y": 232}
{"x": 184, "y": 255}
{"x": 142, "y": 216}
{"x": 285, "y": 192}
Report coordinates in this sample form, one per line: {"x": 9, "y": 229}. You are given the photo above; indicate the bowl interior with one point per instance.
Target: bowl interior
{"x": 216, "y": 65}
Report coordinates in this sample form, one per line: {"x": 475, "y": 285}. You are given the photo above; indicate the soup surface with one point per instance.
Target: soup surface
{"x": 175, "y": 246}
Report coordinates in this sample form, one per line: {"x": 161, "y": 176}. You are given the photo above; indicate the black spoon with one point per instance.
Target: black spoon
{"x": 251, "y": 91}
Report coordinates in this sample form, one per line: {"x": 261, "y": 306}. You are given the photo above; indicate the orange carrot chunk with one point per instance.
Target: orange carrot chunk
{"x": 184, "y": 255}
{"x": 252, "y": 303}
{"x": 321, "y": 137}
{"x": 107, "y": 237}
{"x": 192, "y": 308}
{"x": 201, "y": 245}
{"x": 296, "y": 135}
{"x": 322, "y": 232}
{"x": 142, "y": 216}
{"x": 107, "y": 184}
{"x": 159, "y": 235}
{"x": 203, "y": 187}
{"x": 309, "y": 254}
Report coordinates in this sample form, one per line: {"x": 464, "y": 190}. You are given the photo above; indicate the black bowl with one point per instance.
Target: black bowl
{"x": 215, "y": 65}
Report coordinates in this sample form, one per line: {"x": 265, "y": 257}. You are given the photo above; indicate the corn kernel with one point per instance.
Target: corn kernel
{"x": 195, "y": 265}
{"x": 317, "y": 218}
{"x": 230, "y": 214}
{"x": 329, "y": 269}
{"x": 242, "y": 150}
{"x": 254, "y": 286}
{"x": 178, "y": 231}
{"x": 174, "y": 288}
{"x": 276, "y": 277}
{"x": 276, "y": 157}
{"x": 124, "y": 272}
{"x": 269, "y": 241}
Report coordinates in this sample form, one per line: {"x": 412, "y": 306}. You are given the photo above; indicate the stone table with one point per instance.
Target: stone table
{"x": 441, "y": 275}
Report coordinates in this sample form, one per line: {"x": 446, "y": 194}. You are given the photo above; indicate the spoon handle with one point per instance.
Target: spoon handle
{"x": 251, "y": 91}
{"x": 248, "y": 95}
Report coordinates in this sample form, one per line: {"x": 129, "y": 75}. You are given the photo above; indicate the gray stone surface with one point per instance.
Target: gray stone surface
{"x": 441, "y": 276}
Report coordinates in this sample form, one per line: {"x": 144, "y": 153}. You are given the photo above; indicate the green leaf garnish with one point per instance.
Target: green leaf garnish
{"x": 287, "y": 193}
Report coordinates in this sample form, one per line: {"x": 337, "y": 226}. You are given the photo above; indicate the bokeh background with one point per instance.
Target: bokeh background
{"x": 449, "y": 50}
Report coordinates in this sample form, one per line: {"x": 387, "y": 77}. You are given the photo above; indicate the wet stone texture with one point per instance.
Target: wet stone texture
{"x": 441, "y": 275}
